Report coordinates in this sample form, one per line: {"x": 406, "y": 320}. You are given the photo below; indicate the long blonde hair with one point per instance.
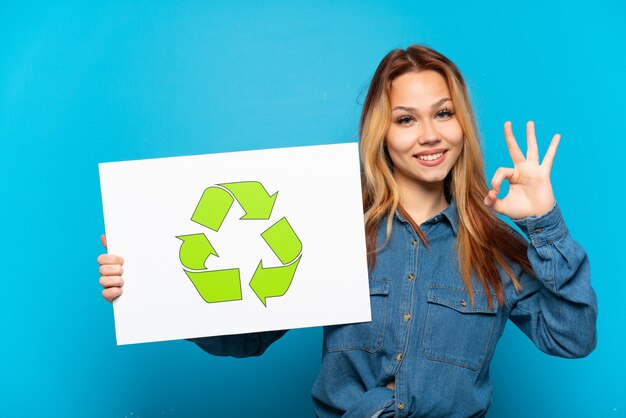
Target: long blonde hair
{"x": 484, "y": 242}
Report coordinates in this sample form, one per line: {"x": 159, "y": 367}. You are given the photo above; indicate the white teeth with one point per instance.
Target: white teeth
{"x": 430, "y": 157}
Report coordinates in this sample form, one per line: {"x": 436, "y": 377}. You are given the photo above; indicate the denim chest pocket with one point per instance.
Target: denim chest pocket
{"x": 368, "y": 336}
{"x": 455, "y": 331}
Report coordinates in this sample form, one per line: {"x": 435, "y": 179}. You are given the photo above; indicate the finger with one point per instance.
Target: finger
{"x": 111, "y": 293}
{"x": 499, "y": 176}
{"x": 103, "y": 240}
{"x": 532, "y": 154}
{"x": 110, "y": 259}
{"x": 514, "y": 151}
{"x": 493, "y": 202}
{"x": 491, "y": 198}
{"x": 111, "y": 270}
{"x": 548, "y": 159}
{"x": 111, "y": 281}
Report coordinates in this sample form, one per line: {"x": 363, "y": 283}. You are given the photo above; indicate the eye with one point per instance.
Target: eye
{"x": 405, "y": 120}
{"x": 445, "y": 113}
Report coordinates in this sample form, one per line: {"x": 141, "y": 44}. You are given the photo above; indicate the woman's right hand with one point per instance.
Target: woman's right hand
{"x": 111, "y": 271}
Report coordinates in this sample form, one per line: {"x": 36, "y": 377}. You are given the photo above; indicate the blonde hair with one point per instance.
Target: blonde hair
{"x": 484, "y": 242}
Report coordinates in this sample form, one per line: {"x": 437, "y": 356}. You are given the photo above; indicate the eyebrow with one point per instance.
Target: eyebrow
{"x": 412, "y": 109}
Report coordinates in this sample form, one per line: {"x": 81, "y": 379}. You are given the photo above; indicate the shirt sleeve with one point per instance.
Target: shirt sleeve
{"x": 240, "y": 345}
{"x": 558, "y": 309}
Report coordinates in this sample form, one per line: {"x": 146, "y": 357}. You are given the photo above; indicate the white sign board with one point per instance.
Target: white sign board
{"x": 237, "y": 242}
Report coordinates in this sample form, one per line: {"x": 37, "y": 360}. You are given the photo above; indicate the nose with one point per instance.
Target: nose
{"x": 428, "y": 134}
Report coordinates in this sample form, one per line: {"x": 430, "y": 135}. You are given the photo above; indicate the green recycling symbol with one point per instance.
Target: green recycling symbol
{"x": 225, "y": 285}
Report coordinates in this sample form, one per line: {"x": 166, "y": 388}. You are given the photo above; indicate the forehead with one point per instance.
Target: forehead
{"x": 418, "y": 89}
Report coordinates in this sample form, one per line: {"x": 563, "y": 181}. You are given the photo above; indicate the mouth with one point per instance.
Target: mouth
{"x": 431, "y": 158}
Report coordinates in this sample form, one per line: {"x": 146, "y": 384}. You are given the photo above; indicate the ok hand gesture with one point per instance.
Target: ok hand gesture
{"x": 530, "y": 191}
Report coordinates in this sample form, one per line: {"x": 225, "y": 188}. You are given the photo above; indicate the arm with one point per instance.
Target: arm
{"x": 241, "y": 345}
{"x": 558, "y": 309}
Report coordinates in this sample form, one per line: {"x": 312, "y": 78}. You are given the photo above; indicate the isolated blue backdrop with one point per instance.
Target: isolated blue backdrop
{"x": 89, "y": 82}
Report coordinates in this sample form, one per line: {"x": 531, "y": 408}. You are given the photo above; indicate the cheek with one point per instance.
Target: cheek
{"x": 395, "y": 156}
{"x": 400, "y": 140}
{"x": 455, "y": 136}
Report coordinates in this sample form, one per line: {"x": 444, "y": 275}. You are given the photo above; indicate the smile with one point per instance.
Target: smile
{"x": 431, "y": 160}
{"x": 430, "y": 157}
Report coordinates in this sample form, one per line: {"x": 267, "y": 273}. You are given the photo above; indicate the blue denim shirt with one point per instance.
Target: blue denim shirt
{"x": 427, "y": 336}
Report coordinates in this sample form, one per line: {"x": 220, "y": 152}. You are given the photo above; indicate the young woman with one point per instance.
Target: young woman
{"x": 445, "y": 272}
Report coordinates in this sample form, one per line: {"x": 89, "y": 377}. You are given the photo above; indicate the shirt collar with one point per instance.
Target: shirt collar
{"x": 450, "y": 213}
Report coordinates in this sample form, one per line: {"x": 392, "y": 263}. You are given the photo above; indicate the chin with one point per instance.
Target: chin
{"x": 429, "y": 181}
{"x": 433, "y": 178}
{"x": 434, "y": 181}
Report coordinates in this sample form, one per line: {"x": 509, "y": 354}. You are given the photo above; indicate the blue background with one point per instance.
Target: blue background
{"x": 82, "y": 83}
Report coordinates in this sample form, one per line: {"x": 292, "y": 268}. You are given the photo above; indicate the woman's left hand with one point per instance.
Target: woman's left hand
{"x": 530, "y": 191}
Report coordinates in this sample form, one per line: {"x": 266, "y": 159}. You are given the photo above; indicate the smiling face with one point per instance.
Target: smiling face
{"x": 425, "y": 138}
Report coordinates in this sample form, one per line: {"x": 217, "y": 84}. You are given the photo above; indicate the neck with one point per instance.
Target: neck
{"x": 422, "y": 201}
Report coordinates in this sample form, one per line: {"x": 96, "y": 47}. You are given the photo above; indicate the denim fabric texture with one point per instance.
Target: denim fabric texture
{"x": 427, "y": 335}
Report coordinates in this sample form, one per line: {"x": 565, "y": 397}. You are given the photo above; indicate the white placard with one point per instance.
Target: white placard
{"x": 288, "y": 251}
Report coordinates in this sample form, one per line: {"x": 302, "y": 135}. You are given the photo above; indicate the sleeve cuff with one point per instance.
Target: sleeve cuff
{"x": 545, "y": 229}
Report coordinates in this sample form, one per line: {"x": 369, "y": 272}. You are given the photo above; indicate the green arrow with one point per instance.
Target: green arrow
{"x": 253, "y": 198}
{"x": 273, "y": 281}
{"x": 218, "y": 285}
{"x": 213, "y": 208}
{"x": 283, "y": 241}
{"x": 195, "y": 250}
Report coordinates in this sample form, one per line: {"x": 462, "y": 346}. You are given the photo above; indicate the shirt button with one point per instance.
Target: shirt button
{"x": 411, "y": 276}
{"x": 399, "y": 356}
{"x": 414, "y": 242}
{"x": 463, "y": 303}
{"x": 400, "y": 405}
{"x": 407, "y": 316}
{"x": 437, "y": 219}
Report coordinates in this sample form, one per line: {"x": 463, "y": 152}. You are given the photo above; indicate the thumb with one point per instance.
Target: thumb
{"x": 103, "y": 240}
{"x": 491, "y": 200}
